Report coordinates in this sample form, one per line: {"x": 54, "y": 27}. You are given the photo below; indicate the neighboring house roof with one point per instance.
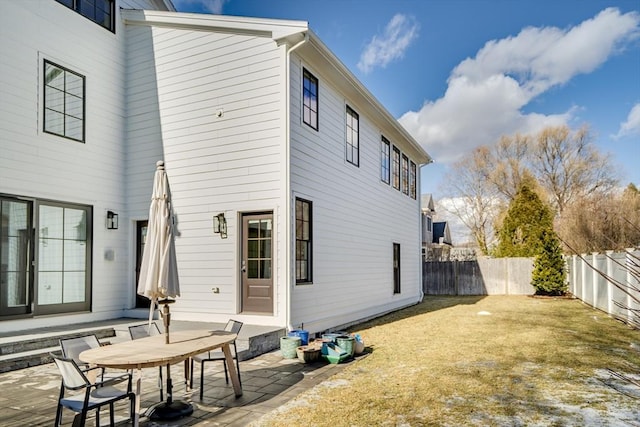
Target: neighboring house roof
{"x": 426, "y": 203}
{"x": 441, "y": 230}
{"x": 314, "y": 51}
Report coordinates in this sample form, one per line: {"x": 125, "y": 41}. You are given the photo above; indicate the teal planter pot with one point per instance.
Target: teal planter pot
{"x": 288, "y": 347}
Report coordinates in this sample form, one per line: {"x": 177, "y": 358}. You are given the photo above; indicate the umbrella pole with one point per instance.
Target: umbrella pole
{"x": 170, "y": 409}
{"x": 166, "y": 317}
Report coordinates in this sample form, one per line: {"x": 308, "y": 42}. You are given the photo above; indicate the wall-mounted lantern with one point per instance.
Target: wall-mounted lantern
{"x": 220, "y": 225}
{"x": 112, "y": 220}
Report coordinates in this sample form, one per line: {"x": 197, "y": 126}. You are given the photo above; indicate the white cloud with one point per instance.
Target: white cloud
{"x": 486, "y": 94}
{"x": 390, "y": 45}
{"x": 632, "y": 125}
{"x": 209, "y": 6}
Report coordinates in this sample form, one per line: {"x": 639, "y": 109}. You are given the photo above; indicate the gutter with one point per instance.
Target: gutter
{"x": 288, "y": 223}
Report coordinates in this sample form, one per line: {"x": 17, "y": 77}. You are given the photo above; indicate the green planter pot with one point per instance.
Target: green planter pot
{"x": 288, "y": 347}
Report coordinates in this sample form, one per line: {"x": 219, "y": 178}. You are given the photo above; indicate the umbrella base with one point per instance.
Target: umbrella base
{"x": 169, "y": 411}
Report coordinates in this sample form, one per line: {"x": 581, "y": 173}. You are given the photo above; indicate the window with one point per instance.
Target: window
{"x": 99, "y": 11}
{"x": 310, "y": 100}
{"x": 412, "y": 180}
{"x": 385, "y": 160}
{"x": 396, "y": 268}
{"x": 353, "y": 138}
{"x": 396, "y": 168}
{"x": 64, "y": 254}
{"x": 429, "y": 223}
{"x": 303, "y": 241}
{"x": 405, "y": 174}
{"x": 63, "y": 102}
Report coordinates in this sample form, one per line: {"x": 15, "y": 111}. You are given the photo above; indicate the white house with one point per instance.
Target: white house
{"x": 259, "y": 126}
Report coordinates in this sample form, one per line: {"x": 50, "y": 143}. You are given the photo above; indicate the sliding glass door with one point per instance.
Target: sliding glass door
{"x": 16, "y": 256}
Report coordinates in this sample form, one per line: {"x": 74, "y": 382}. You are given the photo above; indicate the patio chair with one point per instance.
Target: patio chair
{"x": 147, "y": 330}
{"x": 93, "y": 395}
{"x": 232, "y": 326}
{"x": 71, "y": 349}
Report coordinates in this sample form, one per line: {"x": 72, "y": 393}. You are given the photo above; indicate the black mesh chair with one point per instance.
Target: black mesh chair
{"x": 232, "y": 326}
{"x": 93, "y": 395}
{"x": 71, "y": 349}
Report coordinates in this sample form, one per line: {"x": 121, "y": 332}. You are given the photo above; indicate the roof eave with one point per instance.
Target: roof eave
{"x": 261, "y": 27}
{"x": 420, "y": 155}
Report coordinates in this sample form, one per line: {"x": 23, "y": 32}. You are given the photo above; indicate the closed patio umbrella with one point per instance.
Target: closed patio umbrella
{"x": 159, "y": 277}
{"x": 159, "y": 269}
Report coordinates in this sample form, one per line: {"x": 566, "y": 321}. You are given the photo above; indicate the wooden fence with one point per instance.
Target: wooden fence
{"x": 485, "y": 276}
{"x": 607, "y": 281}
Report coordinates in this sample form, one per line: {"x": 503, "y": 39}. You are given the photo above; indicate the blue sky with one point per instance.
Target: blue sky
{"x": 461, "y": 73}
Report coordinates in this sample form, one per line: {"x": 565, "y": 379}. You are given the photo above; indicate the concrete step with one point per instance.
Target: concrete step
{"x": 24, "y": 353}
{"x": 31, "y": 348}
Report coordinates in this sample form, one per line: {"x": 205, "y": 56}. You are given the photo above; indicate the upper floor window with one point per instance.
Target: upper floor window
{"x": 396, "y": 167}
{"x": 405, "y": 174}
{"x": 310, "y": 99}
{"x": 99, "y": 11}
{"x": 353, "y": 138}
{"x": 413, "y": 180}
{"x": 63, "y": 102}
{"x": 385, "y": 160}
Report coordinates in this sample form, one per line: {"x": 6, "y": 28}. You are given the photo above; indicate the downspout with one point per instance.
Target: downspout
{"x": 288, "y": 224}
{"x": 419, "y": 179}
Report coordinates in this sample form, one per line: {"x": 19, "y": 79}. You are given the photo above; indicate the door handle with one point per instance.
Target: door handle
{"x": 244, "y": 267}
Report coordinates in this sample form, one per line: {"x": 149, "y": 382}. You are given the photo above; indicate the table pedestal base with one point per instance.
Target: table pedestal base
{"x": 169, "y": 411}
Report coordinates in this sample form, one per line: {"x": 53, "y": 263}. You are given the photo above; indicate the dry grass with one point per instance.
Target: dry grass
{"x": 453, "y": 361}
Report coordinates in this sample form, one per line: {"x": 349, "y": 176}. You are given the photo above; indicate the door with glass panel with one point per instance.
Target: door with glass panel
{"x": 16, "y": 257}
{"x": 257, "y": 263}
{"x": 64, "y": 258}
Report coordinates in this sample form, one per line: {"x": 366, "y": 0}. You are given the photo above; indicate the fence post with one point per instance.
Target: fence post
{"x": 628, "y": 262}
{"x": 594, "y": 278}
{"x": 583, "y": 274}
{"x": 609, "y": 273}
{"x": 575, "y": 275}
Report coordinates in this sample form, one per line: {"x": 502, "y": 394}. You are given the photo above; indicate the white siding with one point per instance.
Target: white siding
{"x": 178, "y": 82}
{"x": 356, "y": 218}
{"x": 38, "y": 165}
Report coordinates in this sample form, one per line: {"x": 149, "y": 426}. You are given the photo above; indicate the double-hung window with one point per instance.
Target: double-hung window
{"x": 303, "y": 241}
{"x": 99, "y": 11}
{"x": 64, "y": 102}
{"x": 385, "y": 160}
{"x": 405, "y": 174}
{"x": 310, "y": 99}
{"x": 396, "y": 168}
{"x": 413, "y": 180}
{"x": 352, "y": 137}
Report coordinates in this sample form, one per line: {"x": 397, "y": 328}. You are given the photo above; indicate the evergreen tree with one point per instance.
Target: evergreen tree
{"x": 549, "y": 275}
{"x": 522, "y": 229}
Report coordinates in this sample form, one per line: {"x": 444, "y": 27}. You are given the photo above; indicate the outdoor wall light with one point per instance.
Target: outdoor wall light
{"x": 112, "y": 220}
{"x": 220, "y": 225}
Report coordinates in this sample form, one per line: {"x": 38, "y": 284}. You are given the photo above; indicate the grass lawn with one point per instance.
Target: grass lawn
{"x": 485, "y": 361}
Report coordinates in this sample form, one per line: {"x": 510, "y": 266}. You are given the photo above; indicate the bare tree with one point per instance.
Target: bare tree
{"x": 562, "y": 166}
{"x": 509, "y": 164}
{"x": 474, "y": 199}
{"x": 568, "y": 166}
{"x": 600, "y": 222}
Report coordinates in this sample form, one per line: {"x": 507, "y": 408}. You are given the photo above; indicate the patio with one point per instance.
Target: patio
{"x": 29, "y": 396}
